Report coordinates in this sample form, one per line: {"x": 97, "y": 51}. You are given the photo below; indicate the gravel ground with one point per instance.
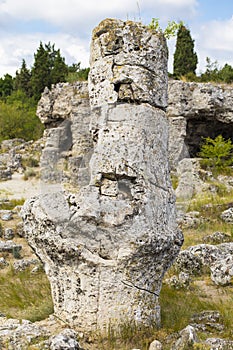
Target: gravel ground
{"x": 18, "y": 188}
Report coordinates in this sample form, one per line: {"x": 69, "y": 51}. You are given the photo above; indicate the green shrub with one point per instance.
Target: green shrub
{"x": 16, "y": 252}
{"x": 216, "y": 153}
{"x": 169, "y": 32}
{"x": 18, "y": 118}
{"x": 80, "y": 75}
{"x": 175, "y": 181}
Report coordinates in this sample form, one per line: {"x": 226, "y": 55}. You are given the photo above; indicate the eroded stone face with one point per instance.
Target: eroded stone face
{"x": 129, "y": 64}
{"x": 106, "y": 242}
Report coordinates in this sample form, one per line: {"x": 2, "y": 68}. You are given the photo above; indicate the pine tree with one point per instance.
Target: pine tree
{"x": 59, "y": 69}
{"x": 22, "y": 80}
{"x": 185, "y": 59}
{"x": 6, "y": 85}
{"x": 49, "y": 68}
{"x": 40, "y": 71}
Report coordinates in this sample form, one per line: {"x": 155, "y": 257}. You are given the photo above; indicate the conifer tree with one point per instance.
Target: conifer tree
{"x": 59, "y": 69}
{"x": 22, "y": 79}
{"x": 49, "y": 68}
{"x": 6, "y": 85}
{"x": 40, "y": 71}
{"x": 185, "y": 59}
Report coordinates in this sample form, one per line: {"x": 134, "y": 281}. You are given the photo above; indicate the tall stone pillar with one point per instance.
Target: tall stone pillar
{"x": 107, "y": 244}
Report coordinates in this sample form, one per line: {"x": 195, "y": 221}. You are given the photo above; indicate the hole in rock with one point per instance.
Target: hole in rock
{"x": 117, "y": 87}
{"x": 205, "y": 127}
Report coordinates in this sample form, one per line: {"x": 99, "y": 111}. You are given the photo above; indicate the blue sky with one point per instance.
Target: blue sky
{"x": 68, "y": 25}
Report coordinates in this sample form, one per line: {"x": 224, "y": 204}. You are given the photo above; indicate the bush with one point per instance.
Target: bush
{"x": 80, "y": 75}
{"x": 18, "y": 118}
{"x": 29, "y": 173}
{"x": 216, "y": 152}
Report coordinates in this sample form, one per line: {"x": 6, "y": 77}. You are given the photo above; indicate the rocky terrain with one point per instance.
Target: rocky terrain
{"x": 206, "y": 266}
{"x": 203, "y": 269}
{"x": 104, "y": 183}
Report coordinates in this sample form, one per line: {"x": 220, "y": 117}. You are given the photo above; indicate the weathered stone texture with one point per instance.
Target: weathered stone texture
{"x": 197, "y": 110}
{"x": 65, "y": 110}
{"x": 129, "y": 64}
{"x": 107, "y": 242}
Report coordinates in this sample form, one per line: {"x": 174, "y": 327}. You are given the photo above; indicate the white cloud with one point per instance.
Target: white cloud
{"x": 65, "y": 12}
{"x": 73, "y": 13}
{"x": 218, "y": 34}
{"x": 16, "y": 47}
{"x": 214, "y": 39}
{"x": 75, "y": 20}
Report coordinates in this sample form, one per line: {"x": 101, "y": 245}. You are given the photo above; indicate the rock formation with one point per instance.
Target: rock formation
{"x": 104, "y": 225}
{"x": 197, "y": 110}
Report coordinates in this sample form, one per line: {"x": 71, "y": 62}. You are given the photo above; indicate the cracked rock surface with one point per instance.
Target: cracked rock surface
{"x": 105, "y": 223}
{"x": 197, "y": 110}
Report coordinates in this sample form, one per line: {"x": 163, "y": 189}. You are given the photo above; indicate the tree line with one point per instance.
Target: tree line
{"x": 49, "y": 68}
{"x": 19, "y": 95}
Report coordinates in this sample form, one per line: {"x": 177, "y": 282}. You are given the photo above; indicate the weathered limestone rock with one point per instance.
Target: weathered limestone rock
{"x": 207, "y": 321}
{"x": 217, "y": 238}
{"x": 21, "y": 334}
{"x": 3, "y": 263}
{"x": 128, "y": 64}
{"x": 181, "y": 281}
{"x": 6, "y": 215}
{"x": 227, "y": 215}
{"x": 187, "y": 339}
{"x": 65, "y": 110}
{"x": 8, "y": 233}
{"x": 65, "y": 340}
{"x": 108, "y": 238}
{"x": 22, "y": 264}
{"x": 219, "y": 344}
{"x": 191, "y": 219}
{"x": 190, "y": 182}
{"x": 17, "y": 155}
{"x": 155, "y": 345}
{"x": 197, "y": 110}
{"x": 222, "y": 271}
{"x": 217, "y": 258}
{"x": 10, "y": 247}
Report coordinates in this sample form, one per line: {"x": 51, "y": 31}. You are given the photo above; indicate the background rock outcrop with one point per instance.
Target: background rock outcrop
{"x": 197, "y": 110}
{"x": 104, "y": 225}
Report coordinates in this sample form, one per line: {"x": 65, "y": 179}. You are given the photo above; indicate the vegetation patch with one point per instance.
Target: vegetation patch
{"x": 216, "y": 153}
{"x": 25, "y": 295}
{"x": 11, "y": 204}
{"x": 29, "y": 173}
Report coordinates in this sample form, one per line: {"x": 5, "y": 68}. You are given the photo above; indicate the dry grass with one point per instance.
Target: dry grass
{"x": 11, "y": 204}
{"x": 177, "y": 308}
{"x": 25, "y": 295}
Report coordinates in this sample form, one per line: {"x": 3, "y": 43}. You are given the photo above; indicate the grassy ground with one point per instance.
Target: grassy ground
{"x": 25, "y": 295}
{"x": 28, "y": 296}
{"x": 178, "y": 306}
